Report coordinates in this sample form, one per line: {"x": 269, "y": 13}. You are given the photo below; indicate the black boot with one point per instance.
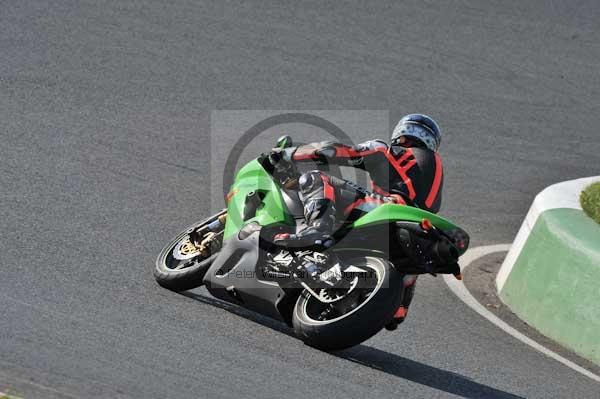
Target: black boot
{"x": 317, "y": 196}
{"x": 310, "y": 237}
{"x": 320, "y": 220}
{"x": 409, "y": 282}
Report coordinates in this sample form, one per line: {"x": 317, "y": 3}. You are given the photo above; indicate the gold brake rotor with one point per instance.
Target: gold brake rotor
{"x": 187, "y": 248}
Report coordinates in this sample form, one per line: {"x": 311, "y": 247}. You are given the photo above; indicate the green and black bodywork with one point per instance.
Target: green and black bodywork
{"x": 393, "y": 241}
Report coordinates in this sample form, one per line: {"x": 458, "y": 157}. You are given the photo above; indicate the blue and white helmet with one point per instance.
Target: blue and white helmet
{"x": 421, "y": 127}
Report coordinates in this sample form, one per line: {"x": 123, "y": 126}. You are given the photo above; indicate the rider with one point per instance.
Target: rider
{"x": 406, "y": 171}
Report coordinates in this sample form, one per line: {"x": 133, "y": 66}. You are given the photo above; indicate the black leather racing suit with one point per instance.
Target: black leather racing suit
{"x": 411, "y": 176}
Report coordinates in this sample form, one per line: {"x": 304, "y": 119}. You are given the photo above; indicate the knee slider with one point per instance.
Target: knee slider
{"x": 307, "y": 181}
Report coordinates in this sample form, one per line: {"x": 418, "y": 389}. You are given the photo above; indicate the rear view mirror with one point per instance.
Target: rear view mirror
{"x": 284, "y": 142}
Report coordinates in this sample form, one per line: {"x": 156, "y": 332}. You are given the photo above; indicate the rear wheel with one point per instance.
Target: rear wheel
{"x": 182, "y": 263}
{"x": 334, "y": 322}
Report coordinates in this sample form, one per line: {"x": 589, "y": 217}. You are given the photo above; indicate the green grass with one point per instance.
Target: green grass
{"x": 590, "y": 201}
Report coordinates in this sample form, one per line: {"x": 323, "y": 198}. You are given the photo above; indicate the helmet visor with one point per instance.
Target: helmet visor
{"x": 411, "y": 131}
{"x": 409, "y": 141}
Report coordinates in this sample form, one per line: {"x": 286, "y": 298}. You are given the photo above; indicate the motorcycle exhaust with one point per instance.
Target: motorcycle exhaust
{"x": 426, "y": 247}
{"x": 445, "y": 251}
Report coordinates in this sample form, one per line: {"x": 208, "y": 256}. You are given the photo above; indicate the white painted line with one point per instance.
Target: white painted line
{"x": 30, "y": 382}
{"x": 459, "y": 289}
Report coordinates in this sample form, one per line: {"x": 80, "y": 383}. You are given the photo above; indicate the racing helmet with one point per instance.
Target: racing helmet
{"x": 420, "y": 127}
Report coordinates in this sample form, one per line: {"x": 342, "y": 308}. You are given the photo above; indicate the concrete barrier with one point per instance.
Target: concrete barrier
{"x": 551, "y": 275}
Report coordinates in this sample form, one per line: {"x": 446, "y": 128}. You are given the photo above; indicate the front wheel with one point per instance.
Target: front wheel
{"x": 181, "y": 265}
{"x": 360, "y": 314}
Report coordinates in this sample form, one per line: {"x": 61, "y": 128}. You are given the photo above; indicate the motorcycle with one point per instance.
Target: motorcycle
{"x": 333, "y": 297}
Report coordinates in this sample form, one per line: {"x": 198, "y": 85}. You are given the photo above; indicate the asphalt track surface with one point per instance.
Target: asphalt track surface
{"x": 104, "y": 155}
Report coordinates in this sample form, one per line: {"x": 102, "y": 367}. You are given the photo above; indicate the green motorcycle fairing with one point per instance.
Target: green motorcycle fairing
{"x": 394, "y": 212}
{"x": 254, "y": 178}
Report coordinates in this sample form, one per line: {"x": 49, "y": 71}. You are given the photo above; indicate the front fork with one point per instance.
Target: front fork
{"x": 205, "y": 237}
